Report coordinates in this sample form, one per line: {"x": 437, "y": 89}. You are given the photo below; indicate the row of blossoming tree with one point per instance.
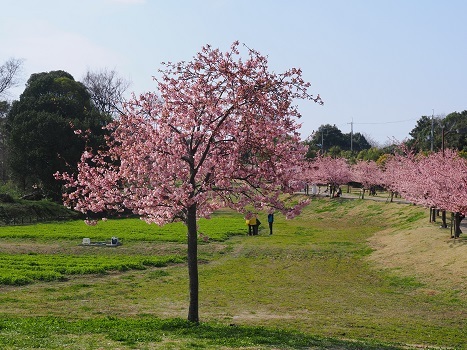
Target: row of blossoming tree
{"x": 437, "y": 180}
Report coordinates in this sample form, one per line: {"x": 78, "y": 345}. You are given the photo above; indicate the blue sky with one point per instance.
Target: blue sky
{"x": 381, "y": 64}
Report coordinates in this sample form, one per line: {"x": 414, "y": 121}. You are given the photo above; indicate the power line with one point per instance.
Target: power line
{"x": 393, "y": 122}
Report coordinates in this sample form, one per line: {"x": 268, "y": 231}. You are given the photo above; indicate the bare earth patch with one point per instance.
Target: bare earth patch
{"x": 425, "y": 252}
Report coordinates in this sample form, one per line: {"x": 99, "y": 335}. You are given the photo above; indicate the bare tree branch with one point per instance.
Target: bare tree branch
{"x": 106, "y": 89}
{"x": 9, "y": 72}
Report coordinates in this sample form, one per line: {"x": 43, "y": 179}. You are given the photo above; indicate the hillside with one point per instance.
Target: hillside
{"x": 426, "y": 251}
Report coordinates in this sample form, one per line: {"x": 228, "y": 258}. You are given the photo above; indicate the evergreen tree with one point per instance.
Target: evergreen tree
{"x": 41, "y": 125}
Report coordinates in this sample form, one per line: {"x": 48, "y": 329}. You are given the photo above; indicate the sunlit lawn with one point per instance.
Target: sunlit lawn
{"x": 311, "y": 276}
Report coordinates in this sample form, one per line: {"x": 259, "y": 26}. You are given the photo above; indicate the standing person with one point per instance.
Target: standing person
{"x": 253, "y": 226}
{"x": 248, "y": 222}
{"x": 270, "y": 221}
{"x": 256, "y": 228}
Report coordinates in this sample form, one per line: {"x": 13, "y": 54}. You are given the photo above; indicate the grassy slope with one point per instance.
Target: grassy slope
{"x": 24, "y": 211}
{"x": 314, "y": 275}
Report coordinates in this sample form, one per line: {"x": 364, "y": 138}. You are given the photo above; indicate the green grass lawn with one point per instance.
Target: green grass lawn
{"x": 308, "y": 286}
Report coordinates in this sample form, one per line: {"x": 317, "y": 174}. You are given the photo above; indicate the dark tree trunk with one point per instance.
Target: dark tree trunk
{"x": 457, "y": 225}
{"x": 443, "y": 218}
{"x": 432, "y": 214}
{"x": 193, "y": 314}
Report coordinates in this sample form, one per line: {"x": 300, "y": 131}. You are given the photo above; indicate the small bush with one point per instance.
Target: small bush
{"x": 6, "y": 198}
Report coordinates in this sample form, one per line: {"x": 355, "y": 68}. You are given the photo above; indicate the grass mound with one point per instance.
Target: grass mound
{"x": 18, "y": 212}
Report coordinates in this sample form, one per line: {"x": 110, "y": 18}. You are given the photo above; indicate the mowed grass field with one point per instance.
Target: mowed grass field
{"x": 345, "y": 274}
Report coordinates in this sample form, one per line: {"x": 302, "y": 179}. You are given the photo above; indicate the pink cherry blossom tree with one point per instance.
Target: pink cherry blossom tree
{"x": 327, "y": 170}
{"x": 389, "y": 175}
{"x": 445, "y": 184}
{"x": 221, "y": 131}
{"x": 367, "y": 173}
{"x": 438, "y": 180}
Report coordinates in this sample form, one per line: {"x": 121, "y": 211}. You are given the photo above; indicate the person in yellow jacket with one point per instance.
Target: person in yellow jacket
{"x": 254, "y": 225}
{"x": 252, "y": 221}
{"x": 247, "y": 222}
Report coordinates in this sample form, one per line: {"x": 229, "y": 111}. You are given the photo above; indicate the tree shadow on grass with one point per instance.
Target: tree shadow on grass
{"x": 27, "y": 332}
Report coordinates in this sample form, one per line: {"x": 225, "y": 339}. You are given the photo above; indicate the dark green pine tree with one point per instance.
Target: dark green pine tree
{"x": 40, "y": 126}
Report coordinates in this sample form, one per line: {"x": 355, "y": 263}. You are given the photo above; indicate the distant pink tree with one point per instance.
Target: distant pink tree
{"x": 438, "y": 180}
{"x": 367, "y": 173}
{"x": 446, "y": 184}
{"x": 446, "y": 178}
{"x": 389, "y": 176}
{"x": 327, "y": 170}
{"x": 402, "y": 175}
{"x": 221, "y": 131}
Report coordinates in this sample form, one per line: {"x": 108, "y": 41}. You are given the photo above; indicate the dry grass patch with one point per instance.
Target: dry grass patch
{"x": 425, "y": 251}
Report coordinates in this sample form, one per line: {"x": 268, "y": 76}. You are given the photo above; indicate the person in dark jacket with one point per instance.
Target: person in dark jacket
{"x": 270, "y": 222}
{"x": 254, "y": 221}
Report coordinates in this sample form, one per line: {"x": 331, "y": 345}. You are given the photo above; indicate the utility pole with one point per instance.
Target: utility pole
{"x": 351, "y": 135}
{"x": 322, "y": 137}
{"x": 322, "y": 141}
{"x": 432, "y": 128}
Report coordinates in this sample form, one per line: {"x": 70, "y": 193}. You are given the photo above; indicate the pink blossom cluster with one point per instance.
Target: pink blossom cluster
{"x": 221, "y": 131}
{"x": 327, "y": 170}
{"x": 437, "y": 180}
{"x": 367, "y": 173}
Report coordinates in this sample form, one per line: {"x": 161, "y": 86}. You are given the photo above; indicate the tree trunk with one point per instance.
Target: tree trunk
{"x": 443, "y": 218}
{"x": 457, "y": 225}
{"x": 432, "y": 214}
{"x": 193, "y": 315}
